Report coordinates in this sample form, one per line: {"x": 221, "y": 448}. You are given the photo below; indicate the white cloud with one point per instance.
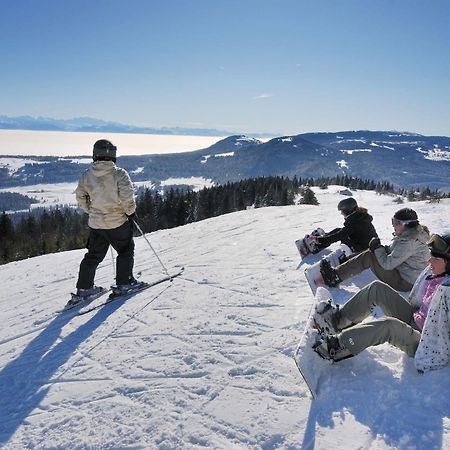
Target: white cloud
{"x": 262, "y": 96}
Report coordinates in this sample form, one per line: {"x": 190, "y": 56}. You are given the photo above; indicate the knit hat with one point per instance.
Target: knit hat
{"x": 104, "y": 150}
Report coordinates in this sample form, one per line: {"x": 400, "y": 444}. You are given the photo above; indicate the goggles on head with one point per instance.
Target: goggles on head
{"x": 438, "y": 246}
{"x": 396, "y": 222}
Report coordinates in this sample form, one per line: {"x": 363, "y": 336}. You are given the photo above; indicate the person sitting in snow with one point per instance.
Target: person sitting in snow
{"x": 398, "y": 264}
{"x": 420, "y": 326}
{"x": 357, "y": 231}
{"x": 105, "y": 192}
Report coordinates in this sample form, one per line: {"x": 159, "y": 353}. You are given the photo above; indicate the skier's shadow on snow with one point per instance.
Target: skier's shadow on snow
{"x": 404, "y": 413}
{"x": 26, "y": 380}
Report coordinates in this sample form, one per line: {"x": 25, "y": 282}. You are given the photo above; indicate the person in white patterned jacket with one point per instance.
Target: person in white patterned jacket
{"x": 105, "y": 192}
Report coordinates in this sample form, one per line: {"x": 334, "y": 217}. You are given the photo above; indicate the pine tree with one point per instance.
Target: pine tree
{"x": 308, "y": 197}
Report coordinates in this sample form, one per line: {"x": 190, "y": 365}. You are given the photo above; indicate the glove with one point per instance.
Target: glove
{"x": 374, "y": 244}
{"x": 132, "y": 219}
{"x": 316, "y": 246}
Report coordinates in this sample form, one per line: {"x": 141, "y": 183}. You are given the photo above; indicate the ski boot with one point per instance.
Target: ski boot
{"x": 330, "y": 348}
{"x": 85, "y": 295}
{"x": 89, "y": 292}
{"x": 124, "y": 289}
{"x": 329, "y": 274}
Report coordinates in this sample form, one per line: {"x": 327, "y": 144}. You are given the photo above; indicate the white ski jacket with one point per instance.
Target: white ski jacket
{"x": 408, "y": 253}
{"x": 433, "y": 351}
{"x": 105, "y": 192}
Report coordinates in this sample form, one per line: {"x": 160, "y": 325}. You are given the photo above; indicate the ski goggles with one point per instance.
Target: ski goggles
{"x": 438, "y": 246}
{"x": 396, "y": 222}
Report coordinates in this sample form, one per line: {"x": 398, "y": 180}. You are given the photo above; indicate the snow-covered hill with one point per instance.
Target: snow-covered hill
{"x": 206, "y": 361}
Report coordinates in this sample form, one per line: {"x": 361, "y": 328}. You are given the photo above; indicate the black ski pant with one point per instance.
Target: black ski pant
{"x": 121, "y": 239}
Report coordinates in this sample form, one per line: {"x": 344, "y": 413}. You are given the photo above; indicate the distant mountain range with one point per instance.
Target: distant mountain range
{"x": 89, "y": 124}
{"x": 404, "y": 159}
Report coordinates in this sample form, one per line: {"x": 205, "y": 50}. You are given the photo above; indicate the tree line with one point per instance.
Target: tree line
{"x": 13, "y": 201}
{"x": 60, "y": 229}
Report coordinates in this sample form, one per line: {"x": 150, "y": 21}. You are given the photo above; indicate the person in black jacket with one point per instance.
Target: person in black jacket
{"x": 357, "y": 231}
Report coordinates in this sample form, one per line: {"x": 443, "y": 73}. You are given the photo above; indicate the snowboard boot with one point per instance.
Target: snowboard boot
{"x": 326, "y": 317}
{"x": 330, "y": 348}
{"x": 329, "y": 274}
{"x": 343, "y": 258}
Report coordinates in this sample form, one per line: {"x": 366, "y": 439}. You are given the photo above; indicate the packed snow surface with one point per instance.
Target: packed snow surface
{"x": 206, "y": 361}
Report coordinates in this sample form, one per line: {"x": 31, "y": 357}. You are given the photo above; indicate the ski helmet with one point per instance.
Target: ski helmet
{"x": 347, "y": 206}
{"x": 104, "y": 150}
{"x": 406, "y": 216}
{"x": 439, "y": 245}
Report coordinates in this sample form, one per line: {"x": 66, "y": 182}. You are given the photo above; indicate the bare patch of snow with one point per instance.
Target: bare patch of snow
{"x": 77, "y": 160}
{"x": 13, "y": 164}
{"x": 144, "y": 184}
{"x": 353, "y": 140}
{"x": 435, "y": 154}
{"x": 223, "y": 155}
{"x": 246, "y": 139}
{"x": 342, "y": 164}
{"x": 198, "y": 183}
{"x": 47, "y": 194}
{"x": 356, "y": 150}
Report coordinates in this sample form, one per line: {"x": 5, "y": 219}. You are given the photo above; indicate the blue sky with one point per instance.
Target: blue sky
{"x": 280, "y": 66}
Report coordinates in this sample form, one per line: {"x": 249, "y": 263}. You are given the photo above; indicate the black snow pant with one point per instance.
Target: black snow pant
{"x": 121, "y": 239}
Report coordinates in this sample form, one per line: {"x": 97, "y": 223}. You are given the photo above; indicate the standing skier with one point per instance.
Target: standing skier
{"x": 420, "y": 326}
{"x": 105, "y": 193}
{"x": 398, "y": 264}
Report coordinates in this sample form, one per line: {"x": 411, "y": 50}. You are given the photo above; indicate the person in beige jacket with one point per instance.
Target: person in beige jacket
{"x": 105, "y": 193}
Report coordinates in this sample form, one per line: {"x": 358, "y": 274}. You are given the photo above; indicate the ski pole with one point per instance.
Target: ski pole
{"x": 153, "y": 250}
{"x": 112, "y": 261}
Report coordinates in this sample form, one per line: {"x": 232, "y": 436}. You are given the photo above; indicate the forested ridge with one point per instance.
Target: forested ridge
{"x": 52, "y": 230}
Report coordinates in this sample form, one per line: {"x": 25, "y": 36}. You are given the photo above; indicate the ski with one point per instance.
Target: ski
{"x": 71, "y": 309}
{"x": 76, "y": 301}
{"x": 113, "y": 297}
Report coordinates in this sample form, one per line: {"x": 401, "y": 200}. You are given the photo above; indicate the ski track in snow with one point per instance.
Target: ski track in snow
{"x": 205, "y": 361}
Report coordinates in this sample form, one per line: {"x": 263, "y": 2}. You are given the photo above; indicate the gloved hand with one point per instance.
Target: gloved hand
{"x": 374, "y": 244}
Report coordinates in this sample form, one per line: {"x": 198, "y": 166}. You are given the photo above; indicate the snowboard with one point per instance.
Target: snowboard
{"x": 308, "y": 245}
{"x": 310, "y": 365}
{"x": 336, "y": 257}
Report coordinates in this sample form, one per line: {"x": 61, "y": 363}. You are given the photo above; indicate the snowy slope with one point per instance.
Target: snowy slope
{"x": 206, "y": 361}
